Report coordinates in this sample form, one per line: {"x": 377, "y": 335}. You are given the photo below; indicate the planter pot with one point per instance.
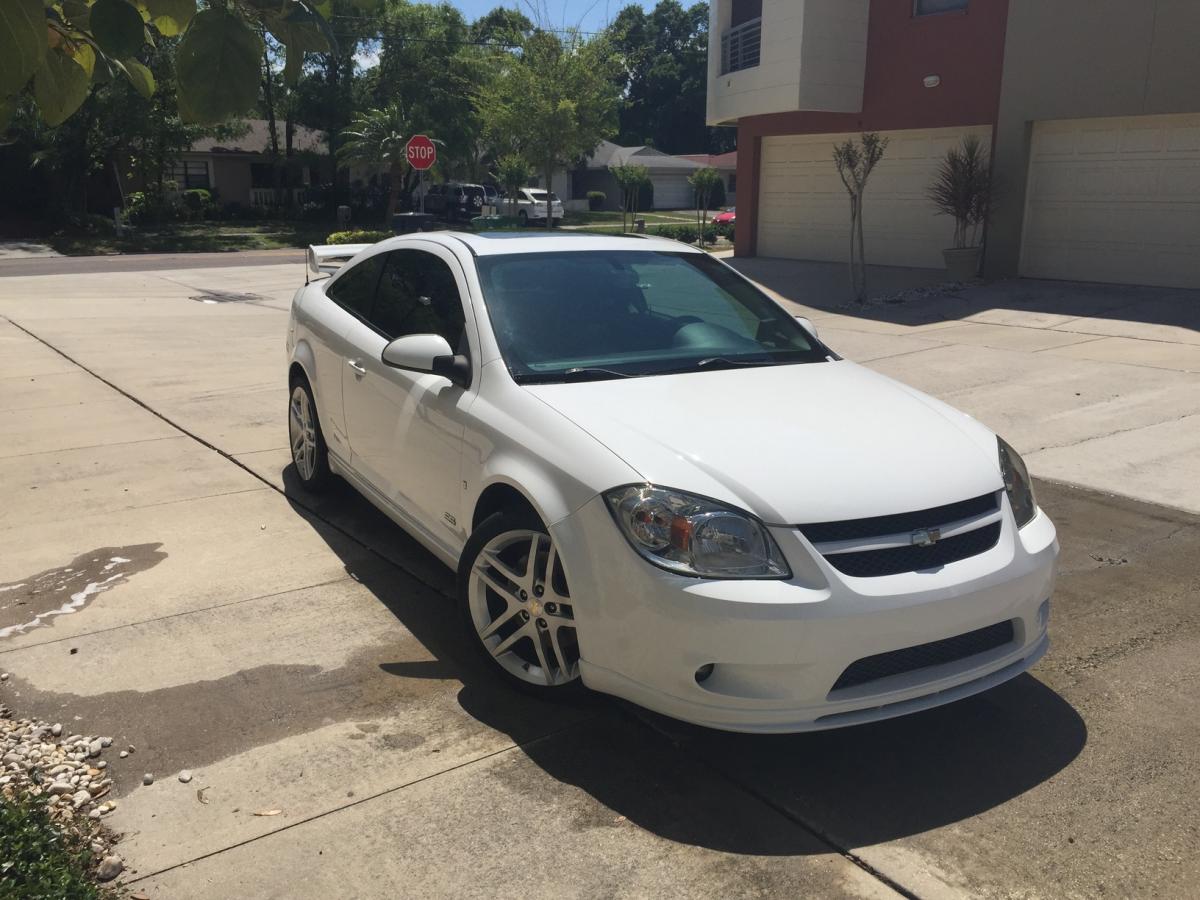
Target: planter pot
{"x": 962, "y": 265}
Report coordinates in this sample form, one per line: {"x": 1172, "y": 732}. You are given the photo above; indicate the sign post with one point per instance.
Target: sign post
{"x": 421, "y": 154}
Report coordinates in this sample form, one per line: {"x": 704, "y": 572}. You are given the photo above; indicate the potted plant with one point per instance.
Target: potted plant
{"x": 963, "y": 190}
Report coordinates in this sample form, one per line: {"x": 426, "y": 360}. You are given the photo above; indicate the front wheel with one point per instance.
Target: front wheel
{"x": 515, "y": 602}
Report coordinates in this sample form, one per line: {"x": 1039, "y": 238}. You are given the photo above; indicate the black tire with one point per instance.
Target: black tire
{"x": 314, "y": 478}
{"x": 490, "y": 529}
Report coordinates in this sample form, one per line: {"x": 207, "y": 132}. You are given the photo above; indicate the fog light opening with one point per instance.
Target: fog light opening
{"x": 704, "y": 672}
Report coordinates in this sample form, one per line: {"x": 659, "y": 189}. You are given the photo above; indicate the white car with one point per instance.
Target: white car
{"x": 531, "y": 205}
{"x": 654, "y": 481}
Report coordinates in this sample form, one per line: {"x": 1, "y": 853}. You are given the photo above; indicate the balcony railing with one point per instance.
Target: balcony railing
{"x": 740, "y": 46}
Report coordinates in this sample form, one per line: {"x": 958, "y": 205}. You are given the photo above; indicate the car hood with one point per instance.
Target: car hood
{"x": 793, "y": 444}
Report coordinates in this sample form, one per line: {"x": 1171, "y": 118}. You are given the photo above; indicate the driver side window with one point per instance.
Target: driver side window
{"x": 418, "y": 295}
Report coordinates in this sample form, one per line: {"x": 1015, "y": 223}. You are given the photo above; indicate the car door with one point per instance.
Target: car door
{"x": 406, "y": 428}
{"x": 347, "y": 300}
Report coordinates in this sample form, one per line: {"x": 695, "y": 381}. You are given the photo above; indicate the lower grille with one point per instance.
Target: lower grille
{"x": 894, "y": 560}
{"x": 923, "y": 656}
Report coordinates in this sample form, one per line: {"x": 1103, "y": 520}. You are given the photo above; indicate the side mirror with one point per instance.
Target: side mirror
{"x": 428, "y": 353}
{"x": 807, "y": 325}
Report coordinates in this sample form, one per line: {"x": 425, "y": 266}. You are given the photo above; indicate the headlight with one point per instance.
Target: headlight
{"x": 1016, "y": 483}
{"x": 695, "y": 536}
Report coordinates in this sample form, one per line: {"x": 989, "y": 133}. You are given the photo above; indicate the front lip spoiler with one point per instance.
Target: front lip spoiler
{"x": 784, "y": 721}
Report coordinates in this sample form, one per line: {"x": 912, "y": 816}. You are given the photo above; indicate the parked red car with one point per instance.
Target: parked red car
{"x": 725, "y": 217}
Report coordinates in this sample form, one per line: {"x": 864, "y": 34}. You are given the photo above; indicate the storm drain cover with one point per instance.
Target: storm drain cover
{"x": 226, "y": 297}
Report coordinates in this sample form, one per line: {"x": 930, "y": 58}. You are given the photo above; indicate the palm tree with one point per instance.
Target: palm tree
{"x": 378, "y": 137}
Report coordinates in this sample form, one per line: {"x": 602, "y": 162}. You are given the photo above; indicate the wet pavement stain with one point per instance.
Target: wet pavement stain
{"x": 36, "y": 601}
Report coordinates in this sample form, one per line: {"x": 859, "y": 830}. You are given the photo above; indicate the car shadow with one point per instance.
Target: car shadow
{"x": 737, "y": 793}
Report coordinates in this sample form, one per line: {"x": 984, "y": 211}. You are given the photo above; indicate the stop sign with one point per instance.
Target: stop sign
{"x": 420, "y": 152}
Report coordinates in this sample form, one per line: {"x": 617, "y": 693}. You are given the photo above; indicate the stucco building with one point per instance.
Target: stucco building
{"x": 1091, "y": 108}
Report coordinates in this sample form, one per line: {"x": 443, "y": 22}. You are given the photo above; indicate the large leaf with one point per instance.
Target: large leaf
{"x": 22, "y": 42}
{"x": 76, "y": 11}
{"x": 171, "y": 17}
{"x": 118, "y": 28}
{"x": 85, "y": 56}
{"x": 140, "y": 77}
{"x": 217, "y": 66}
{"x": 300, "y": 27}
{"x": 60, "y": 86}
{"x": 292, "y": 66}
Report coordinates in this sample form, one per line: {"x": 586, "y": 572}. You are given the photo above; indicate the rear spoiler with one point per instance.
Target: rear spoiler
{"x": 324, "y": 260}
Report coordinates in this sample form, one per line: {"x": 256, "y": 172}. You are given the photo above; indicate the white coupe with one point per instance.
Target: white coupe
{"x": 656, "y": 482}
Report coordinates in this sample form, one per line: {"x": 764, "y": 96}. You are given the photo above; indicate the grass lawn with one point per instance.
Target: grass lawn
{"x": 39, "y": 861}
{"x": 195, "y": 237}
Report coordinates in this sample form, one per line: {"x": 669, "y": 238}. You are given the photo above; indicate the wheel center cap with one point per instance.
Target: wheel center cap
{"x": 535, "y": 608}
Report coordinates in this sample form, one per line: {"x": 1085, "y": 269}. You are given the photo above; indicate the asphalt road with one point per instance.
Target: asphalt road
{"x": 300, "y": 654}
{"x": 144, "y": 262}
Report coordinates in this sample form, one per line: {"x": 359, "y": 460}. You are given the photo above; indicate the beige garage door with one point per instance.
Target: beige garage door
{"x": 1115, "y": 200}
{"x": 804, "y": 211}
{"x": 672, "y": 192}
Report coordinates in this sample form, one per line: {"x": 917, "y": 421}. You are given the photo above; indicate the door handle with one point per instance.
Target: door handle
{"x": 359, "y": 369}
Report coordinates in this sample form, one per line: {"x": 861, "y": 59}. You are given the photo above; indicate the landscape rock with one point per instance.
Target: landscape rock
{"x": 148, "y": 779}
{"x": 109, "y": 868}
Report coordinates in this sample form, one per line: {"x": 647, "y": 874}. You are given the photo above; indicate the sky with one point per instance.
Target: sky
{"x": 590, "y": 15}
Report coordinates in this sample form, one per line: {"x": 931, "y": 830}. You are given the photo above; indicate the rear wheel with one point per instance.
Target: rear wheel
{"x": 516, "y": 604}
{"x": 308, "y": 443}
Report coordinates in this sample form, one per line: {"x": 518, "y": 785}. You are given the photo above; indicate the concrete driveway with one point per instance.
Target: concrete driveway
{"x": 302, "y": 659}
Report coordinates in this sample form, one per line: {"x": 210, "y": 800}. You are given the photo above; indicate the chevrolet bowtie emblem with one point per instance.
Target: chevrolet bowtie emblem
{"x": 926, "y": 537}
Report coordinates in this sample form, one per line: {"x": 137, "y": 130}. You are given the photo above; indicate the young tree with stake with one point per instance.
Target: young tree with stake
{"x": 855, "y": 162}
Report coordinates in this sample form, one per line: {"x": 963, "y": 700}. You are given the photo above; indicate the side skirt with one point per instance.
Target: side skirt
{"x": 447, "y": 553}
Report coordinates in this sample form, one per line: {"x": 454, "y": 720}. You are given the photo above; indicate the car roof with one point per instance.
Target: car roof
{"x": 495, "y": 243}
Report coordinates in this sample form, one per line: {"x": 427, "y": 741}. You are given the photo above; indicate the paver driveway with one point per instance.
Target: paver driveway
{"x": 301, "y": 656}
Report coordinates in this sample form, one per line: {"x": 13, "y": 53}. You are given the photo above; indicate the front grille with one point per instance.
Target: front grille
{"x": 855, "y": 529}
{"x": 923, "y": 656}
{"x": 894, "y": 560}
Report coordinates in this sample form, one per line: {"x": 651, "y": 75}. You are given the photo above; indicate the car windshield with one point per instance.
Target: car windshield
{"x": 589, "y": 315}
{"x": 540, "y": 196}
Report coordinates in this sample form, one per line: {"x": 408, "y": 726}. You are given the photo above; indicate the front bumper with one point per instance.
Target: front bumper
{"x": 778, "y": 647}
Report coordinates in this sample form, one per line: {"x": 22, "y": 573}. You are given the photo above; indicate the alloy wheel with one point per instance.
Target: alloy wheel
{"x": 521, "y": 608}
{"x": 303, "y": 433}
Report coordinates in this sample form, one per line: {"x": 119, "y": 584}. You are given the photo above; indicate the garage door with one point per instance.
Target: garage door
{"x": 672, "y": 192}
{"x": 1115, "y": 200}
{"x": 804, "y": 211}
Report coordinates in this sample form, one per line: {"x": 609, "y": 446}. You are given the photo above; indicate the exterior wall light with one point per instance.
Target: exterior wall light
{"x": 932, "y": 81}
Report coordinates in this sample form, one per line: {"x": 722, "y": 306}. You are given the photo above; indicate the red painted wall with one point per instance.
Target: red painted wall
{"x": 965, "y": 48}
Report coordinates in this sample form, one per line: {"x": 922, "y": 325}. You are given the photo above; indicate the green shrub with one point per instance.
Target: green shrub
{"x": 596, "y": 200}
{"x": 685, "y": 233}
{"x": 150, "y": 207}
{"x": 37, "y": 860}
{"x": 197, "y": 202}
{"x": 357, "y": 237}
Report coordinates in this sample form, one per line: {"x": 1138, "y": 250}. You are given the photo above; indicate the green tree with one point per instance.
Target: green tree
{"x": 662, "y": 59}
{"x": 502, "y": 26}
{"x": 630, "y": 179}
{"x": 703, "y": 181}
{"x": 512, "y": 171}
{"x": 57, "y": 50}
{"x": 855, "y": 162}
{"x": 553, "y": 104}
{"x": 378, "y": 138}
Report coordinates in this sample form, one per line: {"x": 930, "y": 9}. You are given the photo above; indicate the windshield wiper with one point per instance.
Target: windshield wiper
{"x": 592, "y": 373}
{"x": 725, "y": 361}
